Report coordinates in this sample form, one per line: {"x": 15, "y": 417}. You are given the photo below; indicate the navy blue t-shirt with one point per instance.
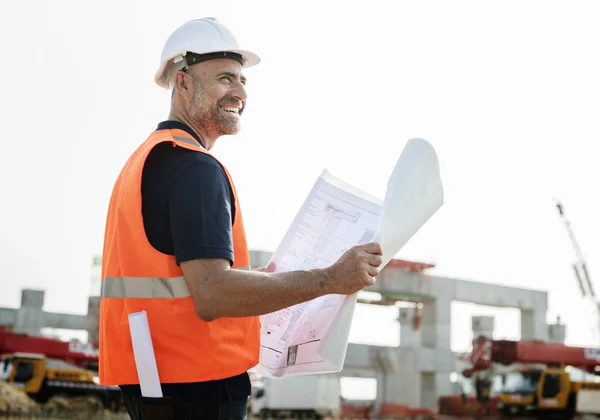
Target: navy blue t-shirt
{"x": 188, "y": 210}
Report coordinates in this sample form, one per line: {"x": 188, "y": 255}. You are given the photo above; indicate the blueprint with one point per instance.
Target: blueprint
{"x": 335, "y": 216}
{"x": 312, "y": 337}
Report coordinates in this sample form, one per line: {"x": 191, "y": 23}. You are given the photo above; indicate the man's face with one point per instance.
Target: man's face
{"x": 219, "y": 96}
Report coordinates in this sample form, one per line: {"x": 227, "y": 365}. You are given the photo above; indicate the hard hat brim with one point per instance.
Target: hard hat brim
{"x": 250, "y": 59}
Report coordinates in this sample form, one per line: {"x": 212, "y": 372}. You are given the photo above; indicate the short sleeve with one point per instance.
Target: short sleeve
{"x": 198, "y": 201}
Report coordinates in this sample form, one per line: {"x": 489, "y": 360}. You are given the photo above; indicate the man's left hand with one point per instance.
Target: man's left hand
{"x": 268, "y": 269}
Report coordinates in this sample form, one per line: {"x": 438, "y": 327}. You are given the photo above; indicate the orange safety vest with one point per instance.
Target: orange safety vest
{"x": 136, "y": 277}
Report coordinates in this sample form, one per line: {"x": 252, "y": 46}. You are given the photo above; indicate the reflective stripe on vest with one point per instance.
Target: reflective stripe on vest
{"x": 147, "y": 287}
{"x": 188, "y": 140}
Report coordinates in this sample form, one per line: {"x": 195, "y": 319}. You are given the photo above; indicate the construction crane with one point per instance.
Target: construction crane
{"x": 70, "y": 352}
{"x": 537, "y": 382}
{"x": 586, "y": 288}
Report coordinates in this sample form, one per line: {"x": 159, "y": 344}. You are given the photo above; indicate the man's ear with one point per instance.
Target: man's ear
{"x": 182, "y": 84}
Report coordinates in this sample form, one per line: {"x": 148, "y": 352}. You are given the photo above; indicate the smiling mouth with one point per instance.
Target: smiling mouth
{"x": 231, "y": 109}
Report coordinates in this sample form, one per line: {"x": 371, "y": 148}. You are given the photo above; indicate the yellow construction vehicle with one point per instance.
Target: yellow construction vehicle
{"x": 42, "y": 378}
{"x": 538, "y": 382}
{"x": 548, "y": 392}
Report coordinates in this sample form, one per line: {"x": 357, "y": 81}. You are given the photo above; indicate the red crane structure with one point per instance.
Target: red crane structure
{"x": 71, "y": 352}
{"x": 506, "y": 352}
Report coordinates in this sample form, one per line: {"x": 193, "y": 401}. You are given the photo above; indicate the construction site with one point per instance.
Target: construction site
{"x": 537, "y": 376}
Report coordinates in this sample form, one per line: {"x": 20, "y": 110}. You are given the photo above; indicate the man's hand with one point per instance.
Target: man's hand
{"x": 355, "y": 269}
{"x": 270, "y": 268}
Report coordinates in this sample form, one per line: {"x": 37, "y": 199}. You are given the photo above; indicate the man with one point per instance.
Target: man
{"x": 175, "y": 246}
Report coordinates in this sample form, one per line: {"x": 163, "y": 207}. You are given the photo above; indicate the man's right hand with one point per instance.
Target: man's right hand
{"x": 355, "y": 269}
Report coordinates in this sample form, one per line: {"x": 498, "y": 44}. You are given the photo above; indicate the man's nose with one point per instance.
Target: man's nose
{"x": 240, "y": 92}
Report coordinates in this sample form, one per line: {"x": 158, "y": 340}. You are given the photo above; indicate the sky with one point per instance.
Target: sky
{"x": 507, "y": 92}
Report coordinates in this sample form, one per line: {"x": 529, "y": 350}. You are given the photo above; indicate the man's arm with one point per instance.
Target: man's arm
{"x": 219, "y": 291}
{"x": 200, "y": 212}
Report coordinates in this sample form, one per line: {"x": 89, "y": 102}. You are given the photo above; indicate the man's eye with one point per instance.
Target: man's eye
{"x": 226, "y": 78}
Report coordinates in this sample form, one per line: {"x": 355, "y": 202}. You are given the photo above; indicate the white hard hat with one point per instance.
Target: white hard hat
{"x": 205, "y": 38}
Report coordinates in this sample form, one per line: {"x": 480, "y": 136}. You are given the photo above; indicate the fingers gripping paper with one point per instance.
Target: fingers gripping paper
{"x": 312, "y": 337}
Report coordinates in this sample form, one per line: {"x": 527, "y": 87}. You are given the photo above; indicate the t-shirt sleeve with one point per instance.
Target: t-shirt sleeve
{"x": 199, "y": 206}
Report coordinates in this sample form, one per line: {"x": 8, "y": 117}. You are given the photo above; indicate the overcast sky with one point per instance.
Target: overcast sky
{"x": 507, "y": 92}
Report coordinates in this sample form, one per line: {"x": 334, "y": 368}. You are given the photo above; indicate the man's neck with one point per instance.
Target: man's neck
{"x": 206, "y": 139}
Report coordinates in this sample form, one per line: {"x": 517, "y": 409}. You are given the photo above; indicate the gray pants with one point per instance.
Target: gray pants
{"x": 171, "y": 408}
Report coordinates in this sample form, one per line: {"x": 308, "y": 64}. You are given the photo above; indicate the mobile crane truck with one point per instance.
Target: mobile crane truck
{"x": 541, "y": 386}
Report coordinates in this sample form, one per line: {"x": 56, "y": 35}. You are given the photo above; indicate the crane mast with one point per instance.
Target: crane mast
{"x": 586, "y": 287}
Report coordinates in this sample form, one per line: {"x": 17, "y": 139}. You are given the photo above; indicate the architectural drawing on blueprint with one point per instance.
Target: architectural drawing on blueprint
{"x": 332, "y": 220}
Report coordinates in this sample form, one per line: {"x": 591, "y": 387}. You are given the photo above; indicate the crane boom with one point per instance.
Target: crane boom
{"x": 506, "y": 352}
{"x": 584, "y": 282}
{"x": 580, "y": 265}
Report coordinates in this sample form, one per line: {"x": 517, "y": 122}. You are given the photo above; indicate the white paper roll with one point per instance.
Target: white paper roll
{"x": 414, "y": 193}
{"x": 143, "y": 351}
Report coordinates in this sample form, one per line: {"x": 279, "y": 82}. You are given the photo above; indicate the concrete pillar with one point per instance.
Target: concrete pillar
{"x": 428, "y": 390}
{"x": 29, "y": 319}
{"x": 533, "y": 325}
{"x": 557, "y": 332}
{"x": 482, "y": 326}
{"x": 93, "y": 320}
{"x": 404, "y": 385}
{"x": 443, "y": 386}
{"x": 96, "y": 276}
{"x": 382, "y": 390}
{"x": 428, "y": 326}
{"x": 435, "y": 324}
{"x": 409, "y": 337}
{"x": 383, "y": 359}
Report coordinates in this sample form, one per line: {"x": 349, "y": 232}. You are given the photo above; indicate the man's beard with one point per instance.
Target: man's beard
{"x": 207, "y": 113}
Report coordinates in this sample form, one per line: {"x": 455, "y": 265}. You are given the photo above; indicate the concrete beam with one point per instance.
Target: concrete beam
{"x": 29, "y": 320}
{"x": 354, "y": 372}
{"x": 8, "y": 316}
{"x": 414, "y": 284}
{"x": 65, "y": 321}
{"x": 496, "y": 295}
{"x": 461, "y": 290}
